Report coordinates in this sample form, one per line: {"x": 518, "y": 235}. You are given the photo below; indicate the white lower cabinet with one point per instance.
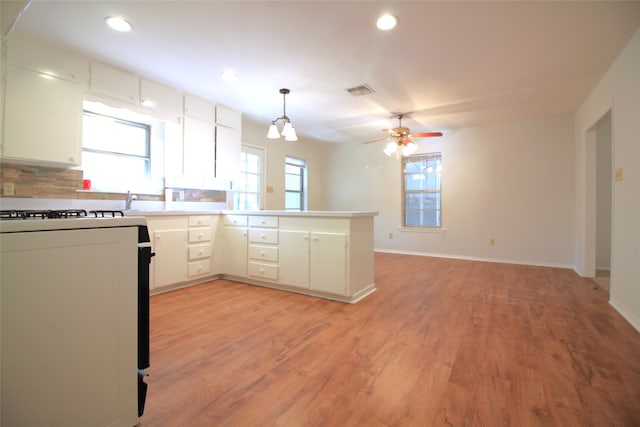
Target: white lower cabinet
{"x": 184, "y": 249}
{"x": 327, "y": 257}
{"x": 314, "y": 260}
{"x": 263, "y": 248}
{"x": 235, "y": 245}
{"x": 328, "y": 263}
{"x": 200, "y": 245}
{"x": 170, "y": 262}
{"x": 294, "y": 258}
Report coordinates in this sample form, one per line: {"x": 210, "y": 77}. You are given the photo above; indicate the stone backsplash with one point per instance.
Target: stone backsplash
{"x": 41, "y": 182}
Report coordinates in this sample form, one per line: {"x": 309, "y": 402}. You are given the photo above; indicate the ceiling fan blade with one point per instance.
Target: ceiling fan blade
{"x": 425, "y": 134}
{"x": 375, "y": 140}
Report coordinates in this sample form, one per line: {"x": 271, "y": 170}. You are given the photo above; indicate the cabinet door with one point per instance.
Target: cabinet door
{"x": 328, "y": 270}
{"x": 159, "y": 97}
{"x": 199, "y": 108}
{"x": 228, "y": 118}
{"x": 228, "y": 147}
{"x": 42, "y": 118}
{"x": 294, "y": 258}
{"x": 199, "y": 143}
{"x": 235, "y": 251}
{"x": 115, "y": 82}
{"x": 170, "y": 262}
{"x": 47, "y": 59}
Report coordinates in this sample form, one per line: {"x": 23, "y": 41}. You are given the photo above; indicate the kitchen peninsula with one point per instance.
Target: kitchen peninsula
{"x": 325, "y": 254}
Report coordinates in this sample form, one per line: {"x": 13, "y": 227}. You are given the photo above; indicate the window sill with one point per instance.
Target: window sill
{"x": 422, "y": 230}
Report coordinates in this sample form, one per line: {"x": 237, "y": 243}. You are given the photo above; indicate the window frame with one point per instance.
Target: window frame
{"x": 261, "y": 153}
{"x": 161, "y": 131}
{"x": 421, "y": 157}
{"x": 301, "y": 164}
{"x": 147, "y": 144}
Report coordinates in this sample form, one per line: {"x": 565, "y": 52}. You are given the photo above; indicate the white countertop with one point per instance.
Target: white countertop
{"x": 325, "y": 214}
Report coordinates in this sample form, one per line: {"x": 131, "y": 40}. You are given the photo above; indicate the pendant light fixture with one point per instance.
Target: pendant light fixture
{"x": 288, "y": 131}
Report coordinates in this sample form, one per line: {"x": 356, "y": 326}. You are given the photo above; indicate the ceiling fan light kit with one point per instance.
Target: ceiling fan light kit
{"x": 288, "y": 131}
{"x": 400, "y": 140}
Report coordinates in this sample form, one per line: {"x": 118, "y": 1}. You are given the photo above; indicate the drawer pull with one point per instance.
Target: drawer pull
{"x": 262, "y": 236}
{"x": 262, "y": 253}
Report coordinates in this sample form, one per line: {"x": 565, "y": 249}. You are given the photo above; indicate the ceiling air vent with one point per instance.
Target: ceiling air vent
{"x": 360, "y": 90}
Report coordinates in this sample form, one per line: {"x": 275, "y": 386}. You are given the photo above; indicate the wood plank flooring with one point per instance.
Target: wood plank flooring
{"x": 441, "y": 343}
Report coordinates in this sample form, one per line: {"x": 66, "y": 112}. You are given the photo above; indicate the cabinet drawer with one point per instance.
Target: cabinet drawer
{"x": 199, "y": 235}
{"x": 199, "y": 268}
{"x": 263, "y": 221}
{"x": 235, "y": 220}
{"x": 263, "y": 236}
{"x": 199, "y": 251}
{"x": 266, "y": 253}
{"x": 199, "y": 220}
{"x": 265, "y": 271}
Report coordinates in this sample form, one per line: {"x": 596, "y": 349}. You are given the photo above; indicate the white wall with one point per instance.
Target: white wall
{"x": 619, "y": 90}
{"x": 510, "y": 182}
{"x": 314, "y": 152}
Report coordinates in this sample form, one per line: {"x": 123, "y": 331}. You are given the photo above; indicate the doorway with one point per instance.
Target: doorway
{"x": 602, "y": 135}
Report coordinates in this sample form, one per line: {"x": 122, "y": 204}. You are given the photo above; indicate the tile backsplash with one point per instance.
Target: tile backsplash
{"x": 41, "y": 182}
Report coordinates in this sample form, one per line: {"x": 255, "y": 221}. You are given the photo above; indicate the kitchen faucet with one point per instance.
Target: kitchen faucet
{"x": 130, "y": 198}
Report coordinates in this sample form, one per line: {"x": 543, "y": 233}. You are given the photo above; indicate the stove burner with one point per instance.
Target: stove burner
{"x": 110, "y": 214}
{"x": 43, "y": 214}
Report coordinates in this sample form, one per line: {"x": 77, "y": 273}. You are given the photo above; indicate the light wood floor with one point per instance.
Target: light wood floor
{"x": 441, "y": 343}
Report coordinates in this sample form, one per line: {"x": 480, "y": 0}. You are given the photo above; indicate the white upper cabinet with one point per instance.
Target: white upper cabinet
{"x": 159, "y": 97}
{"x": 199, "y": 146}
{"x": 199, "y": 108}
{"x": 42, "y": 118}
{"x": 114, "y": 82}
{"x": 46, "y": 59}
{"x": 228, "y": 118}
{"x": 228, "y": 147}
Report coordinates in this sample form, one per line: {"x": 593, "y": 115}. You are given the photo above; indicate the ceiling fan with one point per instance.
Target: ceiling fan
{"x": 400, "y": 139}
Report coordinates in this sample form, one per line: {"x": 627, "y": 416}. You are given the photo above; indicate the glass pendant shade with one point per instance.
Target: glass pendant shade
{"x": 291, "y": 134}
{"x": 273, "y": 132}
{"x": 391, "y": 148}
{"x": 409, "y": 149}
{"x": 288, "y": 127}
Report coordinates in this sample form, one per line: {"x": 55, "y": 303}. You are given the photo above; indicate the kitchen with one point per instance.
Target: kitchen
{"x": 503, "y": 202}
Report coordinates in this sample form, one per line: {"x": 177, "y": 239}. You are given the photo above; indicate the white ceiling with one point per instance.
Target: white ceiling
{"x": 453, "y": 64}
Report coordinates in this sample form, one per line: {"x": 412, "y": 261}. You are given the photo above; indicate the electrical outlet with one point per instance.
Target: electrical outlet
{"x": 182, "y": 195}
{"x": 9, "y": 189}
{"x": 618, "y": 175}
{"x": 391, "y": 235}
{"x": 492, "y": 241}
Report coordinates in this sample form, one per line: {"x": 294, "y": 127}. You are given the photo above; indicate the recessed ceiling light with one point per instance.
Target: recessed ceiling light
{"x": 118, "y": 24}
{"x": 229, "y": 76}
{"x": 386, "y": 22}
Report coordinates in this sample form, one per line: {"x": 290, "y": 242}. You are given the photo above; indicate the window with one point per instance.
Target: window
{"x": 122, "y": 150}
{"x": 295, "y": 179}
{"x": 248, "y": 187}
{"x": 421, "y": 190}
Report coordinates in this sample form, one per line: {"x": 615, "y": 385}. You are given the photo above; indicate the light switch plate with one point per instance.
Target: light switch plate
{"x": 9, "y": 189}
{"x": 618, "y": 175}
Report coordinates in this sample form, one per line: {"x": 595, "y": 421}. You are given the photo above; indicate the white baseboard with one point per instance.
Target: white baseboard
{"x": 629, "y": 317}
{"x": 482, "y": 259}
